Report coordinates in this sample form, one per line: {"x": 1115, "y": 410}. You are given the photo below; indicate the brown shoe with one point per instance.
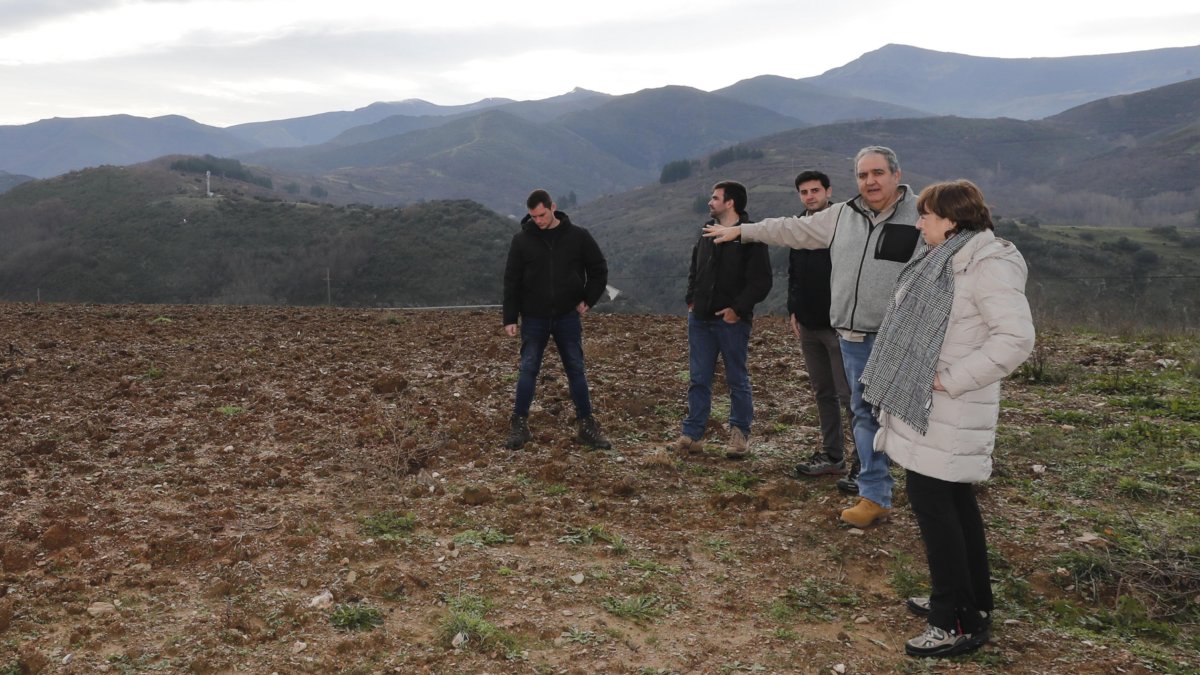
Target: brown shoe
{"x": 739, "y": 444}
{"x": 686, "y": 445}
{"x": 865, "y": 513}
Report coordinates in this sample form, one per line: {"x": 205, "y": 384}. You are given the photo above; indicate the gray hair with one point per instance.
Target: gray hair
{"x": 887, "y": 153}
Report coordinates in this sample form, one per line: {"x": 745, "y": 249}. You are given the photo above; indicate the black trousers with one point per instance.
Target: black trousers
{"x": 952, "y": 529}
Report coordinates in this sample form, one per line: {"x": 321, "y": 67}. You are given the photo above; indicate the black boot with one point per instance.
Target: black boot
{"x": 518, "y": 432}
{"x": 590, "y": 434}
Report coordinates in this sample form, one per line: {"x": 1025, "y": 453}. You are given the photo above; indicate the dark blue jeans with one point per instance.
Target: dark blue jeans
{"x": 567, "y": 331}
{"x": 706, "y": 340}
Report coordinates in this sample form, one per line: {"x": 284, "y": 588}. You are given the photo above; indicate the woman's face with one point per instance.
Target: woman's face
{"x": 934, "y": 228}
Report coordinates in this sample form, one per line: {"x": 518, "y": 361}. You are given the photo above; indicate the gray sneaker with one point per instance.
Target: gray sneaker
{"x": 819, "y": 464}
{"x": 918, "y": 606}
{"x": 937, "y": 642}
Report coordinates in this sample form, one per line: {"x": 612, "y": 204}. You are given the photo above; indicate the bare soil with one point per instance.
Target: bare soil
{"x": 178, "y": 484}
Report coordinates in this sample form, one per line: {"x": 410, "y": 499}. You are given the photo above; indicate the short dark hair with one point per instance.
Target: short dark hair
{"x": 960, "y": 201}
{"x": 539, "y": 197}
{"x": 735, "y": 191}
{"x": 806, "y": 176}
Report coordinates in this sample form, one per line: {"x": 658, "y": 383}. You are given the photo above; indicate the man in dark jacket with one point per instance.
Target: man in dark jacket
{"x": 808, "y": 307}
{"x": 554, "y": 274}
{"x": 725, "y": 281}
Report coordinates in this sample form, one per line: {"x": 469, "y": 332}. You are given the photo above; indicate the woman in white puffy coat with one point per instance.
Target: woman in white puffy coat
{"x": 959, "y": 323}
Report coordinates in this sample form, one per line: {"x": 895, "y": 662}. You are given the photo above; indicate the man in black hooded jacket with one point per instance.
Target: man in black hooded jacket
{"x": 555, "y": 273}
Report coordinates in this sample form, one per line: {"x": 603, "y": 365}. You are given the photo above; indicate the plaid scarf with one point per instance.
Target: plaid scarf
{"x": 898, "y": 377}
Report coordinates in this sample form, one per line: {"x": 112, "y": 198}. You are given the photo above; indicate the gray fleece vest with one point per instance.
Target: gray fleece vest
{"x": 867, "y": 259}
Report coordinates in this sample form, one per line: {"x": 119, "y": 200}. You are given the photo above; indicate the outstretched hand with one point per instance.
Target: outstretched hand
{"x": 721, "y": 234}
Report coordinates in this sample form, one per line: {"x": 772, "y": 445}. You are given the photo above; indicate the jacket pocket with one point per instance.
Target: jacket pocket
{"x": 896, "y": 242}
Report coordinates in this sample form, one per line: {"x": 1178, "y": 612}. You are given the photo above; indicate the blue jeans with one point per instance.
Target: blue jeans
{"x": 567, "y": 331}
{"x": 874, "y": 479}
{"x": 707, "y": 339}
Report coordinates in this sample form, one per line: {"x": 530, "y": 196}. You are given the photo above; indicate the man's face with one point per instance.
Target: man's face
{"x": 542, "y": 217}
{"x": 718, "y": 205}
{"x": 876, "y": 182}
{"x": 814, "y": 195}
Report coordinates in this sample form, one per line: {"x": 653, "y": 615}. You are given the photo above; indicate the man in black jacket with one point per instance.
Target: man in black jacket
{"x": 725, "y": 281}
{"x": 808, "y": 307}
{"x": 554, "y": 274}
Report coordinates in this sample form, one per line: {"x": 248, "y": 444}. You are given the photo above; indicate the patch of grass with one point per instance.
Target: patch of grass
{"x": 231, "y": 410}
{"x": 736, "y": 481}
{"x": 813, "y": 600}
{"x": 162, "y": 320}
{"x": 651, "y": 567}
{"x": 482, "y": 538}
{"x": 355, "y": 617}
{"x": 905, "y": 578}
{"x": 556, "y": 489}
{"x": 152, "y": 373}
{"x": 587, "y": 536}
{"x": 785, "y": 634}
{"x": 1140, "y": 490}
{"x": 637, "y": 608}
{"x": 721, "y": 550}
{"x": 1073, "y": 417}
{"x": 1039, "y": 369}
{"x": 466, "y": 623}
{"x": 505, "y": 571}
{"x": 1126, "y": 384}
{"x": 389, "y": 525}
{"x": 578, "y": 636}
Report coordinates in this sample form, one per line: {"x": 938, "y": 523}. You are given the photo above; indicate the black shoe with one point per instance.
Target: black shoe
{"x": 820, "y": 464}
{"x": 590, "y": 434}
{"x": 849, "y": 482}
{"x": 518, "y": 432}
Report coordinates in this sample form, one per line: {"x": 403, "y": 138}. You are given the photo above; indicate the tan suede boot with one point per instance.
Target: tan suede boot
{"x": 865, "y": 513}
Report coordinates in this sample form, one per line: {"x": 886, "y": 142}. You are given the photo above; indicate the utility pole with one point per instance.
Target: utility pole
{"x": 328, "y": 290}
{"x": 208, "y": 183}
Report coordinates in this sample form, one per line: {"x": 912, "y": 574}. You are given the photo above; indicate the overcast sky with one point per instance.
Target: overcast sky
{"x": 224, "y": 62}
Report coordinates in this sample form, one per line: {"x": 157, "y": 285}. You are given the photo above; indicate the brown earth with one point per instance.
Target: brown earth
{"x": 177, "y": 484}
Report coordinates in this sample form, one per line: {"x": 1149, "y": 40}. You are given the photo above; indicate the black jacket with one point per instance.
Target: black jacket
{"x": 808, "y": 286}
{"x": 732, "y": 274}
{"x": 549, "y": 271}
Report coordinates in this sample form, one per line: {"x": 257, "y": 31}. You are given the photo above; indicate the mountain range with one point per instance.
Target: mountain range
{"x": 404, "y": 151}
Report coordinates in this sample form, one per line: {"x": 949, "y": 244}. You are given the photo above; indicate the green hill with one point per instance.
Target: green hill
{"x": 145, "y": 234}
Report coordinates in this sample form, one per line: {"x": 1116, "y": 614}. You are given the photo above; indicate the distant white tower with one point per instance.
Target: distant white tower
{"x": 208, "y": 182}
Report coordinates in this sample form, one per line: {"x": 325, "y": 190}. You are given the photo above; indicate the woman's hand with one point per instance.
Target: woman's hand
{"x": 937, "y": 383}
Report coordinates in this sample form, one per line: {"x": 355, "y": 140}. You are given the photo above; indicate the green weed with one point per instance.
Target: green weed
{"x": 482, "y": 538}
{"x": 231, "y": 410}
{"x": 465, "y": 623}
{"x": 389, "y": 525}
{"x": 355, "y": 617}
{"x": 636, "y": 608}
{"x": 736, "y": 481}
{"x": 906, "y": 581}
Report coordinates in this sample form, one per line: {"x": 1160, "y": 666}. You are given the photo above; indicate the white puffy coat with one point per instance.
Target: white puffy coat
{"x": 989, "y": 333}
